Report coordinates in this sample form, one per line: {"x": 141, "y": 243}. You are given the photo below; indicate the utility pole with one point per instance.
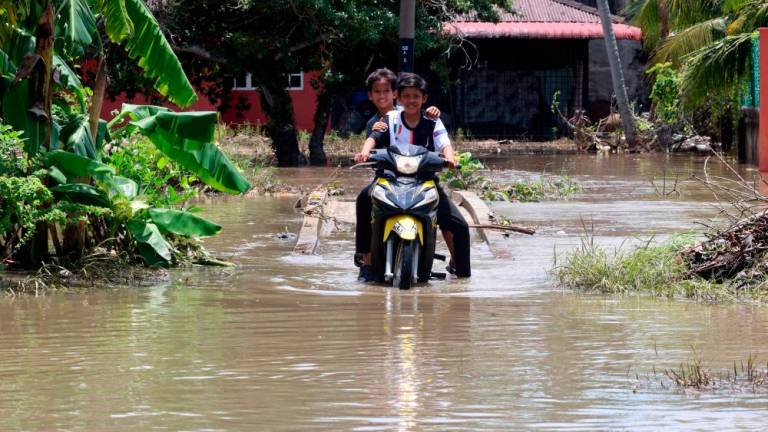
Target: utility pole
{"x": 407, "y": 31}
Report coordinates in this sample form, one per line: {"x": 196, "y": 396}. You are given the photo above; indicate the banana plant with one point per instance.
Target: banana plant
{"x": 39, "y": 40}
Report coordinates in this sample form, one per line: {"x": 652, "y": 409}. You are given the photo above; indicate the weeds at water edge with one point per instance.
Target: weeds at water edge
{"x": 652, "y": 268}
{"x": 696, "y": 376}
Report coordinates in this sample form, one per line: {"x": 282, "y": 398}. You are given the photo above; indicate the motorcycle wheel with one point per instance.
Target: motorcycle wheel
{"x": 404, "y": 265}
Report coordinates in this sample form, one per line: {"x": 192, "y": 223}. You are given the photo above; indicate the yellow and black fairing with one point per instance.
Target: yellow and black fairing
{"x": 406, "y": 208}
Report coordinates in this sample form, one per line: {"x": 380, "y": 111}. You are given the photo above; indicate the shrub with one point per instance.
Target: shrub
{"x": 160, "y": 180}
{"x": 13, "y": 160}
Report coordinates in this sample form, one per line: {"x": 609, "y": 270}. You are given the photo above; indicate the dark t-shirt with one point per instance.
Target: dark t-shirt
{"x": 369, "y": 126}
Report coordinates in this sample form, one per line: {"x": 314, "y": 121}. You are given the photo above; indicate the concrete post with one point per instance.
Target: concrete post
{"x": 407, "y": 31}
{"x": 763, "y": 134}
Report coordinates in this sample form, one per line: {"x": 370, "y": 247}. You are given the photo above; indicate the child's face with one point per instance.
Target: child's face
{"x": 382, "y": 96}
{"x": 411, "y": 99}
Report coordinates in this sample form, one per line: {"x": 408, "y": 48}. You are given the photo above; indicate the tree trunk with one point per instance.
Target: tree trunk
{"x": 281, "y": 127}
{"x": 99, "y": 89}
{"x": 617, "y": 75}
{"x": 663, "y": 18}
{"x": 322, "y": 112}
{"x": 44, "y": 37}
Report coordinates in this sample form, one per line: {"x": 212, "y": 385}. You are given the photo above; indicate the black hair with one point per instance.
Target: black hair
{"x": 381, "y": 74}
{"x": 408, "y": 79}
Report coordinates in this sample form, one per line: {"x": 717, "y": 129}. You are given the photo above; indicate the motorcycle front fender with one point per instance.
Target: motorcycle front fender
{"x": 406, "y": 227}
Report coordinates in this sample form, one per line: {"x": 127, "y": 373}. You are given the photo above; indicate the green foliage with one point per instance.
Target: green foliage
{"x": 183, "y": 223}
{"x": 160, "y": 180}
{"x": 548, "y": 188}
{"x": 153, "y": 247}
{"x": 467, "y": 175}
{"x": 13, "y": 160}
{"x": 87, "y": 187}
{"x": 24, "y": 201}
{"x": 130, "y": 22}
{"x": 665, "y": 93}
{"x": 187, "y": 138}
{"x": 708, "y": 43}
{"x": 653, "y": 268}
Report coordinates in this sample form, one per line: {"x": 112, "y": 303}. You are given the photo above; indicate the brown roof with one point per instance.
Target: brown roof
{"x": 543, "y": 19}
{"x": 546, "y": 11}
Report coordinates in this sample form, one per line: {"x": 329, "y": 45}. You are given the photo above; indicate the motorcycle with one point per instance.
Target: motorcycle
{"x": 404, "y": 217}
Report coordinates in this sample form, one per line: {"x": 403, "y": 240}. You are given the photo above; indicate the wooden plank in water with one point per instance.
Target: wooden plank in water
{"x": 481, "y": 214}
{"x": 306, "y": 243}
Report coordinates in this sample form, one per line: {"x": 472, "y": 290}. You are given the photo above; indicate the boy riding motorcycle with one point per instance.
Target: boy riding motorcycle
{"x": 414, "y": 128}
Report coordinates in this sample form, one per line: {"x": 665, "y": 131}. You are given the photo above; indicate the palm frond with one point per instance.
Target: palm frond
{"x": 684, "y": 13}
{"x": 751, "y": 15}
{"x": 717, "y": 69}
{"x": 645, "y": 14}
{"x": 695, "y": 37}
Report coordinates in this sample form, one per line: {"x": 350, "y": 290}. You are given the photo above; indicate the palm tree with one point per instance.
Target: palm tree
{"x": 708, "y": 41}
{"x": 617, "y": 75}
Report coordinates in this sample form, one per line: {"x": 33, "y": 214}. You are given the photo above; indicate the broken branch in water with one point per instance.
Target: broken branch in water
{"x": 522, "y": 230}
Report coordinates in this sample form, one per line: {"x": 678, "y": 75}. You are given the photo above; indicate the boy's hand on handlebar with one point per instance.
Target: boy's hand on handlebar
{"x": 451, "y": 163}
{"x": 361, "y": 157}
{"x": 432, "y": 112}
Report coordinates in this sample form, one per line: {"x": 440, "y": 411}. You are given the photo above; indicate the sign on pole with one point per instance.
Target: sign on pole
{"x": 407, "y": 31}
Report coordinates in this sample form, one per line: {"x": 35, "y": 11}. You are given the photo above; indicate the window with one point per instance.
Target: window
{"x": 242, "y": 82}
{"x": 296, "y": 81}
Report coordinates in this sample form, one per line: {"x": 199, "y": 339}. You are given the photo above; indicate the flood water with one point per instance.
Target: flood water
{"x": 294, "y": 343}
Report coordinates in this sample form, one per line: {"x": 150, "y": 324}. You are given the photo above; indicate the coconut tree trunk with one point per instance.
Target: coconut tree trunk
{"x": 617, "y": 75}
{"x": 322, "y": 113}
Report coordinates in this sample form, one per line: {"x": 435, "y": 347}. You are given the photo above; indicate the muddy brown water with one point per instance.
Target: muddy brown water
{"x": 296, "y": 344}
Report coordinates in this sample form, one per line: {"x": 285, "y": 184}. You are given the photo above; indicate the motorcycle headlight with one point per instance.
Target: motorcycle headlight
{"x": 407, "y": 164}
{"x": 429, "y": 196}
{"x": 379, "y": 193}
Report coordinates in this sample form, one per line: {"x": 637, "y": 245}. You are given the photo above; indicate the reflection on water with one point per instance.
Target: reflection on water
{"x": 294, "y": 343}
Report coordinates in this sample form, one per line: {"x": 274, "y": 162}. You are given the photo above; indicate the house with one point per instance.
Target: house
{"x": 545, "y": 53}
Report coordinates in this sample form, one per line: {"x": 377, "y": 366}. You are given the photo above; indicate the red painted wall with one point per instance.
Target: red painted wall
{"x": 304, "y": 104}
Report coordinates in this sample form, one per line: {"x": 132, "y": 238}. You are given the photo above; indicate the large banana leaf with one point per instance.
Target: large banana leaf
{"x": 80, "y": 193}
{"x": 102, "y": 135}
{"x": 79, "y": 24}
{"x": 77, "y": 136}
{"x": 131, "y": 23}
{"x": 117, "y": 24}
{"x": 7, "y": 67}
{"x": 20, "y": 44}
{"x": 183, "y": 223}
{"x": 73, "y": 165}
{"x": 136, "y": 112}
{"x": 152, "y": 246}
{"x": 187, "y": 138}
{"x": 68, "y": 79}
{"x": 122, "y": 186}
{"x": 16, "y": 106}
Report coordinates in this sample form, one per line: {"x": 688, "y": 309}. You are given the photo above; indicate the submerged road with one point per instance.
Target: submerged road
{"x": 291, "y": 342}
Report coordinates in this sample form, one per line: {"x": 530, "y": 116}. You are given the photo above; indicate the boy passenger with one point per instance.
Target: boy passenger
{"x": 419, "y": 130}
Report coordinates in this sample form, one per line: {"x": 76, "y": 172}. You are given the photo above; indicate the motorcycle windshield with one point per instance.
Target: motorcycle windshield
{"x": 404, "y": 149}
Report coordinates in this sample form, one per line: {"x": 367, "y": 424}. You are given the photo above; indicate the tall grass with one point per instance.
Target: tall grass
{"x": 652, "y": 268}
